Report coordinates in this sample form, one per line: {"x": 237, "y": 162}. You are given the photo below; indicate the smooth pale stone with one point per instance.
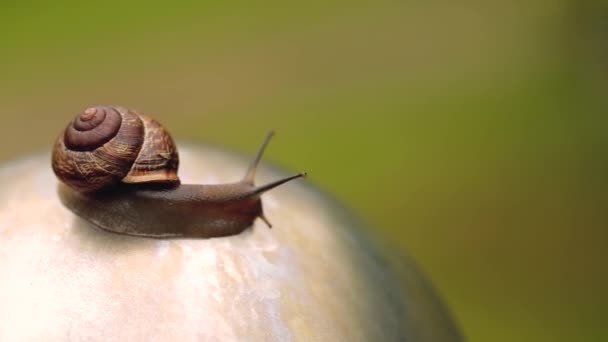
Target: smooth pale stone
{"x": 313, "y": 277}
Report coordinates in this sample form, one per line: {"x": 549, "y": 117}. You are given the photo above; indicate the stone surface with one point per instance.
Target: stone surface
{"x": 314, "y": 276}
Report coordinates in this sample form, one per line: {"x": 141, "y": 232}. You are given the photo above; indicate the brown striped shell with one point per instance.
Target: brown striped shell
{"x": 104, "y": 146}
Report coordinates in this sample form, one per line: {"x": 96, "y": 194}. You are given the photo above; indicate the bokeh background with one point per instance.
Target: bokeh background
{"x": 471, "y": 134}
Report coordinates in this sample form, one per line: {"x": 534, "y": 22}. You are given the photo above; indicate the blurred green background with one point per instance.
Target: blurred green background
{"x": 473, "y": 134}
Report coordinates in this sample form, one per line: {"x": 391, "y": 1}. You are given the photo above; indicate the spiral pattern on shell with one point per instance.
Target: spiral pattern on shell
{"x": 104, "y": 146}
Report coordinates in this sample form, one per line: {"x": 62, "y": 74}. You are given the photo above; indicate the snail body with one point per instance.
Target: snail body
{"x": 118, "y": 170}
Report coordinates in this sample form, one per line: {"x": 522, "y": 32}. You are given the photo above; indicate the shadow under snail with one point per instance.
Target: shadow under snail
{"x": 118, "y": 170}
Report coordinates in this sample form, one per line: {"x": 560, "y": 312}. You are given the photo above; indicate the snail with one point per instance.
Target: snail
{"x": 118, "y": 170}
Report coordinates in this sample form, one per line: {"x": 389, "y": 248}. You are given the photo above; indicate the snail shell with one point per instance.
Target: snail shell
{"x": 104, "y": 146}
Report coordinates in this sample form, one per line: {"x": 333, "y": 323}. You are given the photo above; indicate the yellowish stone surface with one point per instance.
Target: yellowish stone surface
{"x": 314, "y": 276}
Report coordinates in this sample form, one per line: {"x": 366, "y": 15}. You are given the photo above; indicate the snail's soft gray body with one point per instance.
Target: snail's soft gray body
{"x": 313, "y": 277}
{"x": 188, "y": 210}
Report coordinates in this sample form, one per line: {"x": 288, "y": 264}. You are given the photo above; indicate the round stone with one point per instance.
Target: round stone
{"x": 315, "y": 276}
